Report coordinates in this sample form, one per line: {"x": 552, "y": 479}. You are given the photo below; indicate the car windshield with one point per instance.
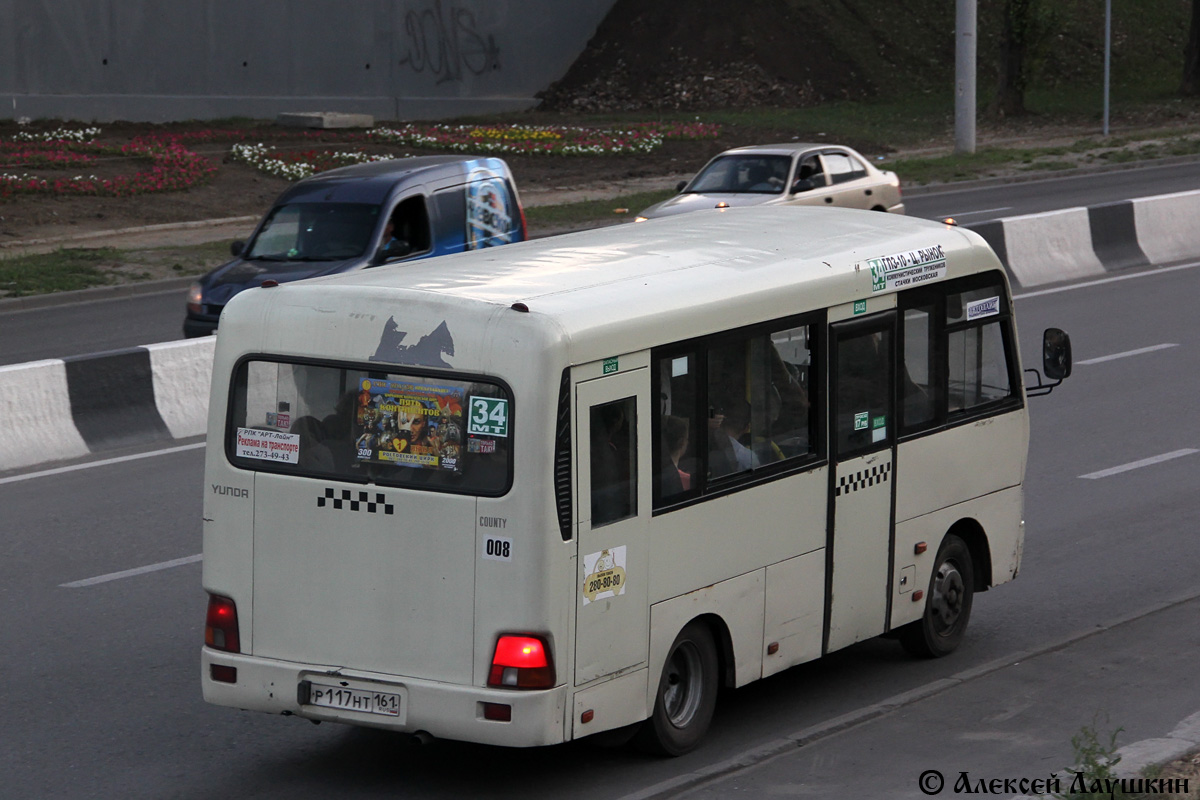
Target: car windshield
{"x": 315, "y": 232}
{"x": 755, "y": 174}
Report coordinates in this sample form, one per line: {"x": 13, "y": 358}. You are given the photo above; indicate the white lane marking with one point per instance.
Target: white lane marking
{"x": 971, "y": 213}
{"x": 1127, "y": 353}
{"x": 1145, "y": 462}
{"x": 129, "y": 573}
{"x": 104, "y": 463}
{"x": 1136, "y": 275}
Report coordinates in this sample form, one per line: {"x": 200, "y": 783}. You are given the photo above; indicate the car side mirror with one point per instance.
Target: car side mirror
{"x": 1056, "y": 354}
{"x": 803, "y": 185}
{"x": 236, "y": 248}
{"x": 679, "y": 186}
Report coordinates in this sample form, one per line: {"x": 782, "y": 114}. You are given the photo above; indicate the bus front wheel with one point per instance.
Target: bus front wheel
{"x": 947, "y": 603}
{"x": 686, "y": 697}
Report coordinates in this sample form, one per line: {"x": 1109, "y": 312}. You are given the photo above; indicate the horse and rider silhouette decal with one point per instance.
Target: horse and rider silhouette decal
{"x": 427, "y": 352}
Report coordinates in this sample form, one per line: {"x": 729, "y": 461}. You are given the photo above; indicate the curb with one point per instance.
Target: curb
{"x": 983, "y": 183}
{"x": 167, "y": 227}
{"x": 94, "y": 294}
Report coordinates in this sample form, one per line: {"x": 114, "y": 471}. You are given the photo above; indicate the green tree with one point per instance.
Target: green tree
{"x": 1191, "y": 55}
{"x": 1027, "y": 25}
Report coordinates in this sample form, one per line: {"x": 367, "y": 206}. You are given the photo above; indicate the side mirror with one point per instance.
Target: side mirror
{"x": 1056, "y": 362}
{"x": 237, "y": 248}
{"x": 1056, "y": 354}
{"x": 803, "y": 185}
{"x": 679, "y": 186}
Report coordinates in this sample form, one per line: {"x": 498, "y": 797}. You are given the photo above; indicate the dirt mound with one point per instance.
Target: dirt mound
{"x": 697, "y": 54}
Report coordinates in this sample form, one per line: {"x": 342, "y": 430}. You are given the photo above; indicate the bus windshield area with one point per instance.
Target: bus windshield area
{"x": 368, "y": 426}
{"x": 315, "y": 232}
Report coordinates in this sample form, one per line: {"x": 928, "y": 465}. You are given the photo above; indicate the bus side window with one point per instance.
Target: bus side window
{"x": 978, "y": 364}
{"x": 978, "y": 370}
{"x": 613, "y": 438}
{"x": 917, "y": 377}
{"x": 678, "y": 428}
{"x": 788, "y": 411}
{"x": 729, "y": 434}
{"x": 863, "y": 390}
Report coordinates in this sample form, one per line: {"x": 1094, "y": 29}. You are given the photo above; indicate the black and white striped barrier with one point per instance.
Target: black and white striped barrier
{"x": 1086, "y": 242}
{"x": 62, "y": 409}
{"x": 65, "y": 408}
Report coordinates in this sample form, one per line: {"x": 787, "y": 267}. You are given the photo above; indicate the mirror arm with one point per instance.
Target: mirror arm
{"x": 1041, "y": 389}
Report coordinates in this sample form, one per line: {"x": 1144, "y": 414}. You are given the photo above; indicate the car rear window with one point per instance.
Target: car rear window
{"x": 436, "y": 432}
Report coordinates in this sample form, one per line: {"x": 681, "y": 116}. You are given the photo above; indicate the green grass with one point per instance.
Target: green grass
{"x": 61, "y": 271}
{"x": 592, "y": 211}
{"x": 70, "y": 269}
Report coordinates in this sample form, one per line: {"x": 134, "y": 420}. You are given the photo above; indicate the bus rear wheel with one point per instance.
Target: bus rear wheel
{"x": 686, "y": 697}
{"x": 947, "y": 603}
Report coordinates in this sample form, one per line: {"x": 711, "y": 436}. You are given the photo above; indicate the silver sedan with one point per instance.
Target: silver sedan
{"x": 785, "y": 174}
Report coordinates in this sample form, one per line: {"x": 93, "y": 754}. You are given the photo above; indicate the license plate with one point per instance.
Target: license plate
{"x": 367, "y": 701}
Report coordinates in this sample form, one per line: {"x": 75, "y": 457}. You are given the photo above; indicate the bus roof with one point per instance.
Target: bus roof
{"x": 741, "y": 264}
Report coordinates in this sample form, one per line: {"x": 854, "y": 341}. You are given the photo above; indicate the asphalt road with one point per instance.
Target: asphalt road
{"x": 93, "y": 327}
{"x": 102, "y": 693}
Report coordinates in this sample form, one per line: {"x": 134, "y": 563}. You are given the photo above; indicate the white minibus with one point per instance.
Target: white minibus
{"x": 525, "y": 495}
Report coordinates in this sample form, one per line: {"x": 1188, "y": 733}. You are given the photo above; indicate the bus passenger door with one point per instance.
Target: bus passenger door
{"x": 612, "y": 417}
{"x": 861, "y": 440}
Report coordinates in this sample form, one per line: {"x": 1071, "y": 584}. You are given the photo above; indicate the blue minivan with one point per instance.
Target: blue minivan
{"x": 383, "y": 212}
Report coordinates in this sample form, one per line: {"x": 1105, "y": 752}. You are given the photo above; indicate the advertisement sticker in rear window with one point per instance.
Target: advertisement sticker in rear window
{"x": 415, "y": 423}
{"x": 268, "y": 445}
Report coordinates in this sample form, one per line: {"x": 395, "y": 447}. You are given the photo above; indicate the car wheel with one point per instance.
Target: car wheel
{"x": 947, "y": 603}
{"x": 686, "y": 697}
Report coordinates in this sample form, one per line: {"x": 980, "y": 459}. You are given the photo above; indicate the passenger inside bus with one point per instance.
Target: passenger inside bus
{"x": 727, "y": 452}
{"x": 672, "y": 479}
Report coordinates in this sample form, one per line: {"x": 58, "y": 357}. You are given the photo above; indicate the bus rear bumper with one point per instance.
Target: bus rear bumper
{"x": 445, "y": 710}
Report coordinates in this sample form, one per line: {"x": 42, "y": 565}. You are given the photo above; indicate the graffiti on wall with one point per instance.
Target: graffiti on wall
{"x": 444, "y": 40}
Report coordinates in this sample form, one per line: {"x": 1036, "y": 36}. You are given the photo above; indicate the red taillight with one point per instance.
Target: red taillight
{"x": 521, "y": 662}
{"x": 221, "y": 626}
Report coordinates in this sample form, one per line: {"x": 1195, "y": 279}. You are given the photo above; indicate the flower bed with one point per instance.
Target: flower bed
{"x": 544, "y": 140}
{"x": 294, "y": 165}
{"x": 173, "y": 167}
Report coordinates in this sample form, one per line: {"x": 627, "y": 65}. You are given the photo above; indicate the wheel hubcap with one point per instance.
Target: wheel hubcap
{"x": 681, "y": 697}
{"x": 947, "y": 600}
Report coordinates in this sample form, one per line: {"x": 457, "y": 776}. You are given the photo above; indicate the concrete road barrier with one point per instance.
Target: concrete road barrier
{"x": 1077, "y": 243}
{"x": 65, "y": 408}
{"x": 62, "y": 409}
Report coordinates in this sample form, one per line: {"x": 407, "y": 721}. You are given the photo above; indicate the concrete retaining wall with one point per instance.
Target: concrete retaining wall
{"x": 62, "y": 409}
{"x": 157, "y": 61}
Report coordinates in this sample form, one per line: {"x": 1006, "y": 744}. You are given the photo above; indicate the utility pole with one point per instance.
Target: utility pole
{"x": 1107, "y": 58}
{"x": 964, "y": 76}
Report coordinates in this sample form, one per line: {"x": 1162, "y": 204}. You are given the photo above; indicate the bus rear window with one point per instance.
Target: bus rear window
{"x": 442, "y": 433}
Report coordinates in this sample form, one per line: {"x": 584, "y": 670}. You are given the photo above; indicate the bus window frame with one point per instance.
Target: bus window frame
{"x": 371, "y": 368}
{"x": 938, "y": 295}
{"x": 703, "y": 488}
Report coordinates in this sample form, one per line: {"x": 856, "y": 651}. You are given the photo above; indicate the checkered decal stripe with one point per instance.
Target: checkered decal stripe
{"x": 864, "y": 479}
{"x": 362, "y": 502}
